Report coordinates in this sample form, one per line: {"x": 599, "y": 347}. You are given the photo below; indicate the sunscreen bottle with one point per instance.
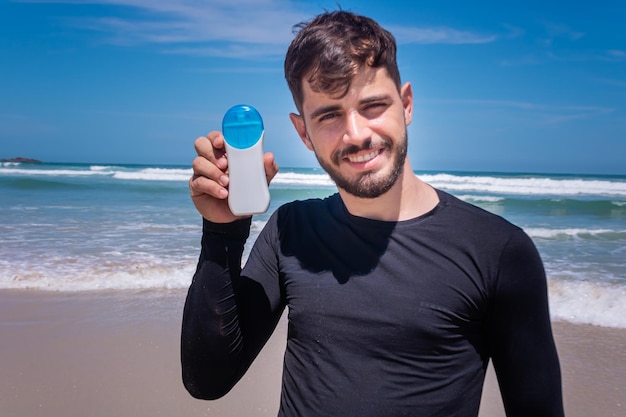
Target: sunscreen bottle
{"x": 243, "y": 132}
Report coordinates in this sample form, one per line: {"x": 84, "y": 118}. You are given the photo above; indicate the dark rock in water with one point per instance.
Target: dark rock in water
{"x": 20, "y": 159}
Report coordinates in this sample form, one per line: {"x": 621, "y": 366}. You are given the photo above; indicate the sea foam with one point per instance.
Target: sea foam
{"x": 455, "y": 183}
{"x": 575, "y": 233}
{"x": 600, "y": 304}
{"x": 526, "y": 186}
{"x": 155, "y": 174}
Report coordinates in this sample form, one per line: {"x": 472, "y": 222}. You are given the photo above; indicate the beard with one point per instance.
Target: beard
{"x": 367, "y": 184}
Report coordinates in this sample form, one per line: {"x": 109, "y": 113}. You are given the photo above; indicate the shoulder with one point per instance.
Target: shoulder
{"x": 298, "y": 216}
{"x": 502, "y": 251}
{"x": 471, "y": 216}
{"x": 488, "y": 234}
{"x": 310, "y": 210}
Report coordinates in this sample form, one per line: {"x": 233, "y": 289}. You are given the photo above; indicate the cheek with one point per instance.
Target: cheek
{"x": 388, "y": 126}
{"x": 321, "y": 139}
{"x": 320, "y": 148}
{"x": 329, "y": 131}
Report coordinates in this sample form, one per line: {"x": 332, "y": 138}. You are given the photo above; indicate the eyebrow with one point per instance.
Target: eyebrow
{"x": 335, "y": 107}
{"x": 373, "y": 99}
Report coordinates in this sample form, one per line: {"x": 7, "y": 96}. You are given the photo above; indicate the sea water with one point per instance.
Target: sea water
{"x": 81, "y": 227}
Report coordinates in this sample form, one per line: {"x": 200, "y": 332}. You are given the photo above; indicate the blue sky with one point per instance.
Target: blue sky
{"x": 532, "y": 86}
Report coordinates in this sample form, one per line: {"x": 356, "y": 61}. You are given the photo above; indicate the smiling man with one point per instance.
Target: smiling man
{"x": 398, "y": 294}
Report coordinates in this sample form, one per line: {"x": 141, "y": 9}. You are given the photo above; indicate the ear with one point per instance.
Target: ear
{"x": 406, "y": 93}
{"x": 300, "y": 126}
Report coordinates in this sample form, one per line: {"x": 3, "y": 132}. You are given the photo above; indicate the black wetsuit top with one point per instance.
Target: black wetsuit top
{"x": 385, "y": 318}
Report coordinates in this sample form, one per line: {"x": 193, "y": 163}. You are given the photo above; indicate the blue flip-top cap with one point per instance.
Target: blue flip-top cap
{"x": 242, "y": 126}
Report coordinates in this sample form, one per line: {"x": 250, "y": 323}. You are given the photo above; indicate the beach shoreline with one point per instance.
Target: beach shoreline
{"x": 117, "y": 353}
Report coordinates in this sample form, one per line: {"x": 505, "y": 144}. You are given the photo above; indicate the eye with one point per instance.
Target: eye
{"x": 327, "y": 116}
{"x": 375, "y": 108}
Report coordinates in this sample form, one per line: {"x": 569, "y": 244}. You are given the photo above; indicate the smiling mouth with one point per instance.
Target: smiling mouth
{"x": 364, "y": 158}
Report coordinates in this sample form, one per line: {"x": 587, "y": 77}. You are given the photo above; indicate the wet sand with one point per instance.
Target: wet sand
{"x": 112, "y": 354}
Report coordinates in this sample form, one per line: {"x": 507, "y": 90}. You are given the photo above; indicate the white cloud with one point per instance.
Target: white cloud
{"x": 513, "y": 31}
{"x": 612, "y": 82}
{"x": 559, "y": 30}
{"x": 438, "y": 35}
{"x": 544, "y": 114}
{"x": 190, "y": 21}
{"x": 257, "y": 27}
{"x": 616, "y": 53}
{"x": 229, "y": 51}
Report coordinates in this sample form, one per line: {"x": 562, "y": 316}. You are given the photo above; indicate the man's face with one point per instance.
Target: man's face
{"x": 360, "y": 139}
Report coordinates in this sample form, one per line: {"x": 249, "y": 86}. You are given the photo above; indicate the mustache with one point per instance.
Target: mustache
{"x": 340, "y": 154}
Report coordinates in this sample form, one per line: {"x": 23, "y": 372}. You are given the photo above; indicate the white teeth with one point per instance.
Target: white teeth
{"x": 363, "y": 158}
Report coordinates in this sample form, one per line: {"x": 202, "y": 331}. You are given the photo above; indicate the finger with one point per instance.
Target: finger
{"x": 211, "y": 147}
{"x": 217, "y": 139}
{"x": 202, "y": 186}
{"x": 271, "y": 168}
{"x": 202, "y": 167}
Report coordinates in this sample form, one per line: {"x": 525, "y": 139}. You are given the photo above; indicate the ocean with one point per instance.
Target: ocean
{"x": 85, "y": 227}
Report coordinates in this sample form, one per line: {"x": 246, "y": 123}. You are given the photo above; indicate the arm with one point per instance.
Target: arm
{"x": 227, "y": 318}
{"x": 520, "y": 334}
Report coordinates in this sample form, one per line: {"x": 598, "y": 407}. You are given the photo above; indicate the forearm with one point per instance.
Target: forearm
{"x": 530, "y": 378}
{"x": 212, "y": 353}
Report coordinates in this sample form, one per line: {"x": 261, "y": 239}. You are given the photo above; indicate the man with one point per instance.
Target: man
{"x": 398, "y": 294}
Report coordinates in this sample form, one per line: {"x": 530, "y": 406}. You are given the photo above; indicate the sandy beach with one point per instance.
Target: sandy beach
{"x": 113, "y": 354}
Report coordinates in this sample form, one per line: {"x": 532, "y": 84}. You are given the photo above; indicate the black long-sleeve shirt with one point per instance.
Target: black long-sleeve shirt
{"x": 385, "y": 318}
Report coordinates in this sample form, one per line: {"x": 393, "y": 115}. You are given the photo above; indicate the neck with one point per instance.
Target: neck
{"x": 409, "y": 198}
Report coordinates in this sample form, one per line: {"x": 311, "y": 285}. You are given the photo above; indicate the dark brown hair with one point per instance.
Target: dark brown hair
{"x": 331, "y": 48}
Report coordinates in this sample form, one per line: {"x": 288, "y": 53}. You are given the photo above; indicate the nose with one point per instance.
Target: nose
{"x": 357, "y": 129}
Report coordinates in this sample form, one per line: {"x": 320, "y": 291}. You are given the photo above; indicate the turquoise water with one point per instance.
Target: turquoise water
{"x": 82, "y": 227}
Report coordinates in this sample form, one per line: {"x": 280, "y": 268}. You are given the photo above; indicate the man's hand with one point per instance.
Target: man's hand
{"x": 209, "y": 184}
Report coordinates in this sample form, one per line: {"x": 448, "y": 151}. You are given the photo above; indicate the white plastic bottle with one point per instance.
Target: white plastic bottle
{"x": 243, "y": 131}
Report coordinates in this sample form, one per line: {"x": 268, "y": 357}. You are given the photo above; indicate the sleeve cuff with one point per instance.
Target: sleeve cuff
{"x": 237, "y": 230}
